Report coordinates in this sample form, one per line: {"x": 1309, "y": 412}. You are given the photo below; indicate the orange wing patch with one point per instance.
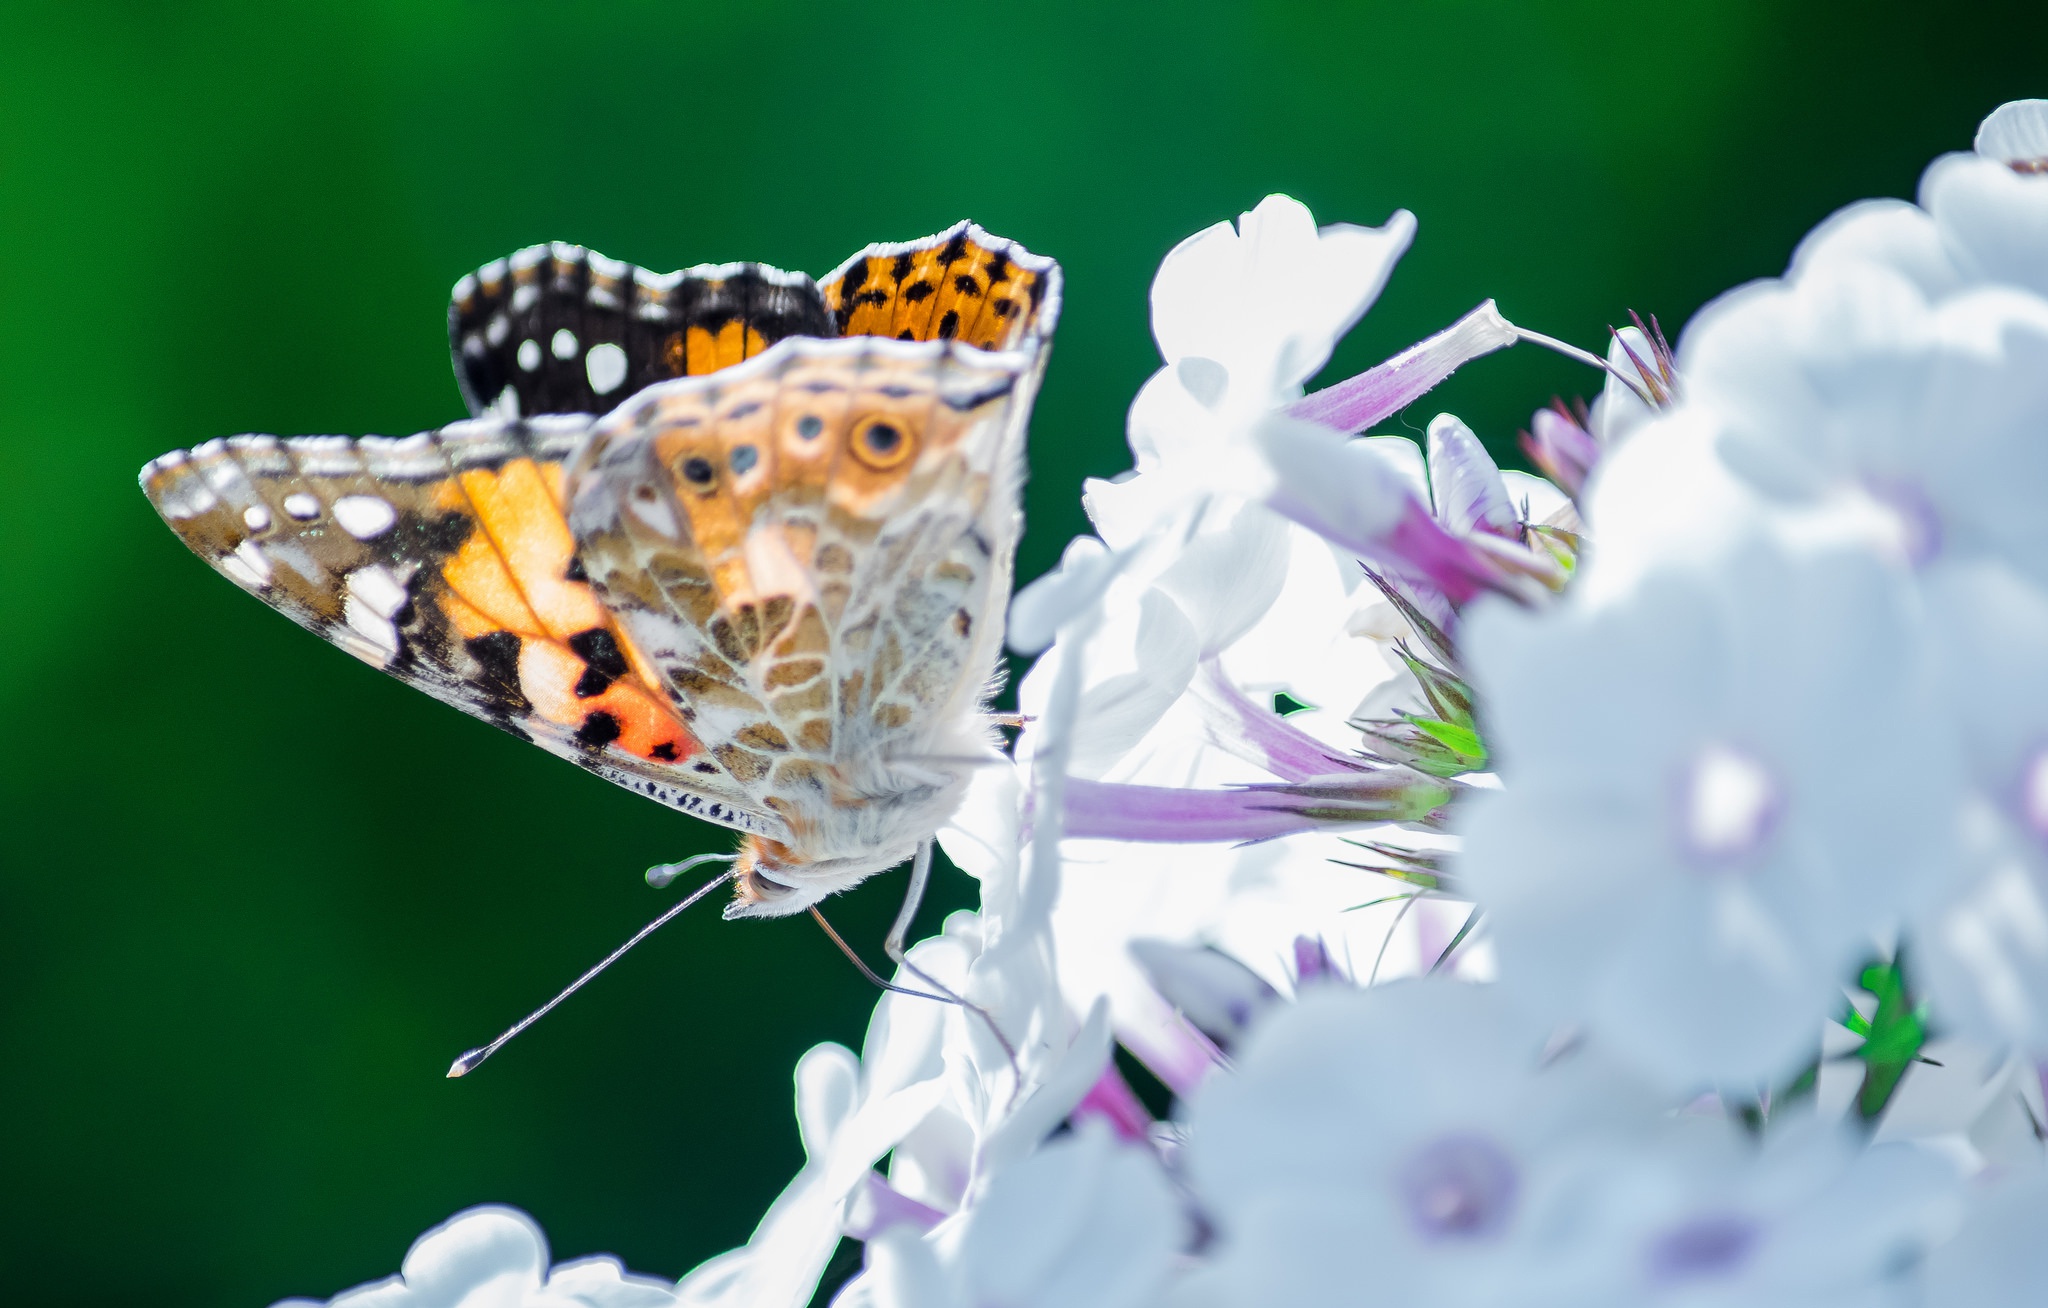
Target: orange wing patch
{"x": 961, "y": 284}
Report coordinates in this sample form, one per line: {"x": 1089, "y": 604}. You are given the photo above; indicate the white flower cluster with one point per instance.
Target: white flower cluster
{"x": 1627, "y": 888}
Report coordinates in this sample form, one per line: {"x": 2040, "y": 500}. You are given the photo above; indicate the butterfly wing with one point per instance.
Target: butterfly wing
{"x": 444, "y": 559}
{"x": 561, "y": 329}
{"x": 962, "y": 284}
{"x": 814, "y": 549}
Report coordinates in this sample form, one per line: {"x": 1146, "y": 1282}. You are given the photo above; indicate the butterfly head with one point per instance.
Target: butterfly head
{"x": 771, "y": 879}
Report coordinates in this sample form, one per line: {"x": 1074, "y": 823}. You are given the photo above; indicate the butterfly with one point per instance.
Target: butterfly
{"x": 733, "y": 539}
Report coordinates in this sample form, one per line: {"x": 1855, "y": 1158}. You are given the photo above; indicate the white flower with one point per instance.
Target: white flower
{"x": 1266, "y": 301}
{"x": 1401, "y": 1143}
{"x": 1720, "y": 785}
{"x": 1975, "y": 1104}
{"x": 1998, "y": 1259}
{"x": 1847, "y": 383}
{"x": 1991, "y": 206}
{"x": 496, "y": 1257}
{"x": 1808, "y": 1218}
{"x": 933, "y": 1088}
{"x": 1085, "y": 1222}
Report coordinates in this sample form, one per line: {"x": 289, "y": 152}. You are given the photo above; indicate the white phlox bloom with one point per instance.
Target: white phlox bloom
{"x": 1810, "y": 1217}
{"x": 1710, "y": 812}
{"x": 1984, "y": 950}
{"x": 1086, "y": 1222}
{"x": 1975, "y": 1104}
{"x": 1998, "y": 1259}
{"x": 932, "y": 1088}
{"x": 1243, "y": 318}
{"x": 497, "y": 1257}
{"x": 1252, "y": 606}
{"x": 1402, "y": 1145}
{"x": 1991, "y": 205}
{"x": 1978, "y": 222}
{"x": 1847, "y": 383}
{"x": 1252, "y": 312}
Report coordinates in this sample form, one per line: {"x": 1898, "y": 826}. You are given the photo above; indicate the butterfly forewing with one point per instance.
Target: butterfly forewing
{"x": 561, "y": 329}
{"x": 444, "y": 559}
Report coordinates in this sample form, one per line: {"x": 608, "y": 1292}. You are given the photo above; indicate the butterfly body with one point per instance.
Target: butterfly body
{"x": 767, "y": 592}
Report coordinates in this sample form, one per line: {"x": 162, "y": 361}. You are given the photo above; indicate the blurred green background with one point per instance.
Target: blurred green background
{"x": 256, "y": 896}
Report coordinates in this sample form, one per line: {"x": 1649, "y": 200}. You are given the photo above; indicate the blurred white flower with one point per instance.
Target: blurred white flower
{"x": 1085, "y": 1222}
{"x": 1721, "y": 785}
{"x": 496, "y": 1257}
{"x": 1977, "y": 1105}
{"x": 1846, "y": 382}
{"x": 1810, "y": 1217}
{"x": 1998, "y": 1259}
{"x": 1984, "y": 949}
{"x": 1991, "y": 205}
{"x": 1402, "y": 1142}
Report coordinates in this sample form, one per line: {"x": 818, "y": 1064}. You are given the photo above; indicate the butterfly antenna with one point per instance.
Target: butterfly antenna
{"x": 666, "y": 873}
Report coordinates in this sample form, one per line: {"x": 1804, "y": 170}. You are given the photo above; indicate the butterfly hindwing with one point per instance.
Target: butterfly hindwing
{"x": 561, "y": 329}
{"x": 445, "y": 559}
{"x": 962, "y": 284}
{"x": 808, "y": 547}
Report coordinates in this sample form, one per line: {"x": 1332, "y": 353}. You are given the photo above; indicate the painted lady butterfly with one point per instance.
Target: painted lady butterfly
{"x": 732, "y": 539}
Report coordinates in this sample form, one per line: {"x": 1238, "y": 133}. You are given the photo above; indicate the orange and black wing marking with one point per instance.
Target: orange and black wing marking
{"x": 445, "y": 559}
{"x": 962, "y": 285}
{"x": 561, "y": 329}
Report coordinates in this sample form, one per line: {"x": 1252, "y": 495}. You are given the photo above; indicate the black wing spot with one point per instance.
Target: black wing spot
{"x": 666, "y": 752}
{"x": 575, "y": 572}
{"x": 917, "y": 291}
{"x": 1004, "y": 306}
{"x": 603, "y": 662}
{"x": 497, "y": 656}
{"x": 906, "y": 335}
{"x": 711, "y": 768}
{"x": 966, "y": 285}
{"x": 949, "y": 326}
{"x": 598, "y": 730}
{"x": 965, "y": 403}
{"x": 904, "y": 263}
{"x": 956, "y": 249}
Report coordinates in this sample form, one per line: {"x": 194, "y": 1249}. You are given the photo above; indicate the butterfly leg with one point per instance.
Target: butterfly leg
{"x": 868, "y": 972}
{"x": 894, "y": 947}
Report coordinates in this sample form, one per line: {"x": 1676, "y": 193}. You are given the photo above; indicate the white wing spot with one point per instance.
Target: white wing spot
{"x": 497, "y": 331}
{"x": 376, "y": 587}
{"x": 365, "y": 517}
{"x": 606, "y": 365}
{"x": 302, "y": 506}
{"x": 505, "y": 406}
{"x": 648, "y": 506}
{"x": 564, "y": 343}
{"x": 256, "y": 518}
{"x": 377, "y": 632}
{"x": 247, "y": 565}
{"x": 529, "y": 355}
{"x": 523, "y": 298}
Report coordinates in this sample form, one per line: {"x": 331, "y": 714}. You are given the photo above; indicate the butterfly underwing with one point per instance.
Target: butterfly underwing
{"x": 735, "y": 540}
